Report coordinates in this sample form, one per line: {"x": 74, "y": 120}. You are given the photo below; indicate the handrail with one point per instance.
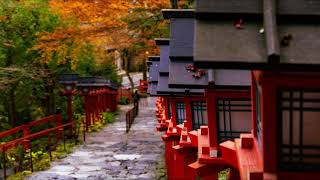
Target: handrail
{"x": 124, "y": 93}
{"x": 26, "y": 127}
{"x": 14, "y": 143}
{"x": 12, "y": 131}
{"x": 25, "y": 141}
{"x": 45, "y": 120}
{"x": 131, "y": 115}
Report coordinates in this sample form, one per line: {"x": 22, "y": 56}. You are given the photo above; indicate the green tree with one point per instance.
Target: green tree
{"x": 21, "y": 77}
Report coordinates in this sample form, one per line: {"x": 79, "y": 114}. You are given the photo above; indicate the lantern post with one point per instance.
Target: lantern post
{"x": 69, "y": 81}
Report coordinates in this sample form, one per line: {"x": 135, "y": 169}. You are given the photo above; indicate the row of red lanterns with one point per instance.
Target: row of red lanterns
{"x": 99, "y": 95}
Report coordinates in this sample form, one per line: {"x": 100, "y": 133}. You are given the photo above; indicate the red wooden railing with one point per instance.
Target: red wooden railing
{"x": 124, "y": 93}
{"x": 131, "y": 115}
{"x": 27, "y": 127}
{"x": 25, "y": 141}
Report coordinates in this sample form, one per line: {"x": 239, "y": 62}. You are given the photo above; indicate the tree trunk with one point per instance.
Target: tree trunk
{"x": 50, "y": 109}
{"x": 126, "y": 56}
{"x": 174, "y": 4}
{"x": 12, "y": 112}
{"x": 131, "y": 82}
{"x": 144, "y": 70}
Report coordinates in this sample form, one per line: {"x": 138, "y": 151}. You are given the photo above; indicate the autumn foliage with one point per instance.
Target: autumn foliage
{"x": 106, "y": 24}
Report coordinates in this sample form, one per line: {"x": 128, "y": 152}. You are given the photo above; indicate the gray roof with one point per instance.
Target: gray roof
{"x": 163, "y": 79}
{"x": 284, "y": 7}
{"x": 230, "y": 78}
{"x": 181, "y": 32}
{"x": 153, "y": 58}
{"x": 164, "y": 59}
{"x": 177, "y": 13}
{"x": 163, "y": 86}
{"x": 164, "y": 89}
{"x": 162, "y": 41}
{"x": 221, "y": 41}
{"x": 152, "y": 89}
{"x": 181, "y": 35}
{"x": 154, "y": 71}
{"x": 179, "y": 77}
{"x": 218, "y": 44}
{"x": 216, "y": 6}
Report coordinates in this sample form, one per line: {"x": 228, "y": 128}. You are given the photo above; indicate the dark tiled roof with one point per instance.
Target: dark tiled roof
{"x": 284, "y": 7}
{"x": 178, "y": 13}
{"x": 221, "y": 41}
{"x": 231, "y": 78}
{"x": 164, "y": 89}
{"x": 164, "y": 59}
{"x": 154, "y": 71}
{"x": 234, "y": 6}
{"x": 163, "y": 86}
{"x": 162, "y": 41}
{"x": 263, "y": 43}
{"x": 152, "y": 89}
{"x": 179, "y": 77}
{"x": 181, "y": 34}
{"x": 154, "y": 58}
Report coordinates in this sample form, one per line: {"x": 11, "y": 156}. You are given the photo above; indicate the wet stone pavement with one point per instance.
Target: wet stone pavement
{"x": 113, "y": 154}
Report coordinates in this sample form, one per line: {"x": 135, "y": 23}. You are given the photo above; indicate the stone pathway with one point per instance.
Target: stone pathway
{"x": 113, "y": 154}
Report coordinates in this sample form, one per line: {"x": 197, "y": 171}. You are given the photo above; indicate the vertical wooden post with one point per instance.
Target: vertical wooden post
{"x": 212, "y": 118}
{"x": 87, "y": 111}
{"x": 253, "y": 104}
{"x": 26, "y": 132}
{"x": 188, "y": 113}
{"x": 174, "y": 112}
{"x": 31, "y": 163}
{"x": 165, "y": 103}
{"x": 268, "y": 120}
{"x": 69, "y": 107}
{"x": 4, "y": 162}
{"x": 105, "y": 100}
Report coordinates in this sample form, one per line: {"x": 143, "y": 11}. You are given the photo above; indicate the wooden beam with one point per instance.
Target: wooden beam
{"x": 271, "y": 32}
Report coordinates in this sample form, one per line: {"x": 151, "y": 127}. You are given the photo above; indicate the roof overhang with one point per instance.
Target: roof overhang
{"x": 262, "y": 42}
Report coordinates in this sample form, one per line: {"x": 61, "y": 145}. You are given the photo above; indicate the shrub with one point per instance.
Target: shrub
{"x": 123, "y": 101}
{"x": 108, "y": 117}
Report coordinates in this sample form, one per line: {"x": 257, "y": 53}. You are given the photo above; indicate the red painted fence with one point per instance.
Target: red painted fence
{"x": 57, "y": 133}
{"x": 124, "y": 93}
{"x": 131, "y": 115}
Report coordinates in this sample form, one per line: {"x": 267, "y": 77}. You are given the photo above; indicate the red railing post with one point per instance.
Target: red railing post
{"x": 91, "y": 103}
{"x": 26, "y": 132}
{"x": 105, "y": 99}
{"x": 69, "y": 107}
{"x": 59, "y": 123}
{"x": 4, "y": 162}
{"x": 87, "y": 111}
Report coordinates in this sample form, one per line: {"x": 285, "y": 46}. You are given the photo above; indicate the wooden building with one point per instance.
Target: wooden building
{"x": 278, "y": 41}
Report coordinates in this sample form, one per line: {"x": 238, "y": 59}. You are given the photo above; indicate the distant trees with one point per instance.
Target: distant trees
{"x": 40, "y": 39}
{"x": 36, "y": 45}
{"x": 22, "y": 78}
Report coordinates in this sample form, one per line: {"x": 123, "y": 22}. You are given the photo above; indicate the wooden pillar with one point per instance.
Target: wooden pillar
{"x": 69, "y": 107}
{"x": 87, "y": 111}
{"x": 188, "y": 113}
{"x": 174, "y": 112}
{"x": 212, "y": 117}
{"x": 268, "y": 120}
{"x": 253, "y": 104}
{"x": 165, "y": 105}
